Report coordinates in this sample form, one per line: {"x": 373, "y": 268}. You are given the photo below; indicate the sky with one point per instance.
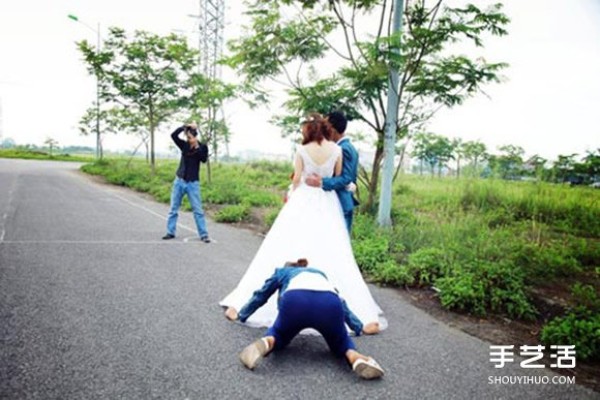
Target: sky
{"x": 549, "y": 103}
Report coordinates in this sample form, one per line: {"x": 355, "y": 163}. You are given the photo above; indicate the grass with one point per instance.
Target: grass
{"x": 488, "y": 246}
{"x": 42, "y": 155}
{"x": 236, "y": 193}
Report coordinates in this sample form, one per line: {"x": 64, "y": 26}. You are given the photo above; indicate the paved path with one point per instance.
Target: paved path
{"x": 93, "y": 305}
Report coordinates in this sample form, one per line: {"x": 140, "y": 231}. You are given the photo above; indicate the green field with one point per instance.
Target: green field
{"x": 42, "y": 155}
{"x": 488, "y": 246}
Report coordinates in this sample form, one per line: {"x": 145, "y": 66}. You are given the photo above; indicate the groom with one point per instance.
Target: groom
{"x": 338, "y": 121}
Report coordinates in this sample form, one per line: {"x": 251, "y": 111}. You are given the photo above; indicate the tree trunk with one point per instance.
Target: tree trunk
{"x": 152, "y": 157}
{"x": 152, "y": 127}
{"x": 458, "y": 168}
{"x": 399, "y": 167}
{"x": 374, "y": 181}
{"x": 208, "y": 170}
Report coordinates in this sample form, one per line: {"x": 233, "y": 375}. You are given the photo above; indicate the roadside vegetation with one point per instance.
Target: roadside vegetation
{"x": 37, "y": 154}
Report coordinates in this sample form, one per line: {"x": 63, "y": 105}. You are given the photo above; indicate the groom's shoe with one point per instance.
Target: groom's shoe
{"x": 253, "y": 353}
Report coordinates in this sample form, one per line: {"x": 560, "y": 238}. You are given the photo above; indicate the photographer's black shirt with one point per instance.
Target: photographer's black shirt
{"x": 189, "y": 164}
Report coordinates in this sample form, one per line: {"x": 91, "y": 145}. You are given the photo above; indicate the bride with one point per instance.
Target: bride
{"x": 311, "y": 225}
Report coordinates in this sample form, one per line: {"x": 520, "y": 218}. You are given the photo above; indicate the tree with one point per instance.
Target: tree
{"x": 564, "y": 166}
{"x": 443, "y": 151}
{"x": 591, "y": 164}
{"x": 51, "y": 144}
{"x": 87, "y": 125}
{"x": 422, "y": 149}
{"x": 537, "y": 164}
{"x": 433, "y": 149}
{"x": 8, "y": 143}
{"x": 458, "y": 152}
{"x": 474, "y": 151}
{"x": 206, "y": 100}
{"x": 508, "y": 164}
{"x": 287, "y": 40}
{"x": 145, "y": 72}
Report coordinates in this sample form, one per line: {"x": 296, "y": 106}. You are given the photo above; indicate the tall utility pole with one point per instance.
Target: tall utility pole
{"x": 211, "y": 25}
{"x": 98, "y": 44}
{"x": 391, "y": 125}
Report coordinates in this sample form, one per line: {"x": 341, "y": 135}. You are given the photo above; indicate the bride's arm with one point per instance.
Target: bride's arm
{"x": 298, "y": 168}
{"x": 338, "y": 166}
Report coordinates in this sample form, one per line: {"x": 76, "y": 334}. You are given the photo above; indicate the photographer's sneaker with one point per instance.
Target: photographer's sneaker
{"x": 168, "y": 236}
{"x": 205, "y": 239}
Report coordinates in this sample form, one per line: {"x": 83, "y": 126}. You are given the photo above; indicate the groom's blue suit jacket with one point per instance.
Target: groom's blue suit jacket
{"x": 349, "y": 175}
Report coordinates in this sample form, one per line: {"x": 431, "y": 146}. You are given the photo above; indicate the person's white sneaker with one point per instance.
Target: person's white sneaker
{"x": 367, "y": 369}
{"x": 253, "y": 353}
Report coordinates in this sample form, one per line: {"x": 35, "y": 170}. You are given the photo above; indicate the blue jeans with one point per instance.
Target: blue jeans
{"x": 192, "y": 189}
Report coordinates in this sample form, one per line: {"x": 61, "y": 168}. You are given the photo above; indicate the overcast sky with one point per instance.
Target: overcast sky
{"x": 550, "y": 103}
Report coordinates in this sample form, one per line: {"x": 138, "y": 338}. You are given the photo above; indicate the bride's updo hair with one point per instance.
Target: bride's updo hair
{"x": 302, "y": 262}
{"x": 315, "y": 128}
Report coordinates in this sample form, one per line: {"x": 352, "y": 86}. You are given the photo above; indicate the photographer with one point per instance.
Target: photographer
{"x": 187, "y": 180}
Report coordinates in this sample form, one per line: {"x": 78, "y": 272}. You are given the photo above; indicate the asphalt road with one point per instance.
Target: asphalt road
{"x": 93, "y": 305}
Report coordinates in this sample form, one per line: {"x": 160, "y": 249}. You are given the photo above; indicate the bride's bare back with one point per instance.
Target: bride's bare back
{"x": 323, "y": 159}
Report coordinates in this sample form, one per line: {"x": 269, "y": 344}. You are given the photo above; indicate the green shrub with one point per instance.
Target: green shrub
{"x": 497, "y": 287}
{"x": 547, "y": 261}
{"x": 464, "y": 292}
{"x": 391, "y": 273}
{"x": 233, "y": 213}
{"x": 427, "y": 264}
{"x": 586, "y": 297}
{"x": 583, "y": 331}
{"x": 580, "y": 326}
{"x": 369, "y": 252}
{"x": 223, "y": 193}
{"x": 262, "y": 199}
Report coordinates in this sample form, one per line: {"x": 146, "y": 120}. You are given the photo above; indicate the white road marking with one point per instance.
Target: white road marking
{"x": 196, "y": 239}
{"x": 8, "y": 205}
{"x": 148, "y": 210}
{"x": 163, "y": 242}
{"x": 131, "y": 203}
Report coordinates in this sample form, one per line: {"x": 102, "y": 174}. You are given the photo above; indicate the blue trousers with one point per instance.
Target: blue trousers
{"x": 322, "y": 311}
{"x": 349, "y": 216}
{"x": 192, "y": 189}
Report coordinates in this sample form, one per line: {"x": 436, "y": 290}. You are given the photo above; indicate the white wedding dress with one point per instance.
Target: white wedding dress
{"x": 311, "y": 225}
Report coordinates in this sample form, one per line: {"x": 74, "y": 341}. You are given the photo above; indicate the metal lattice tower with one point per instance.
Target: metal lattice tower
{"x": 211, "y": 26}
